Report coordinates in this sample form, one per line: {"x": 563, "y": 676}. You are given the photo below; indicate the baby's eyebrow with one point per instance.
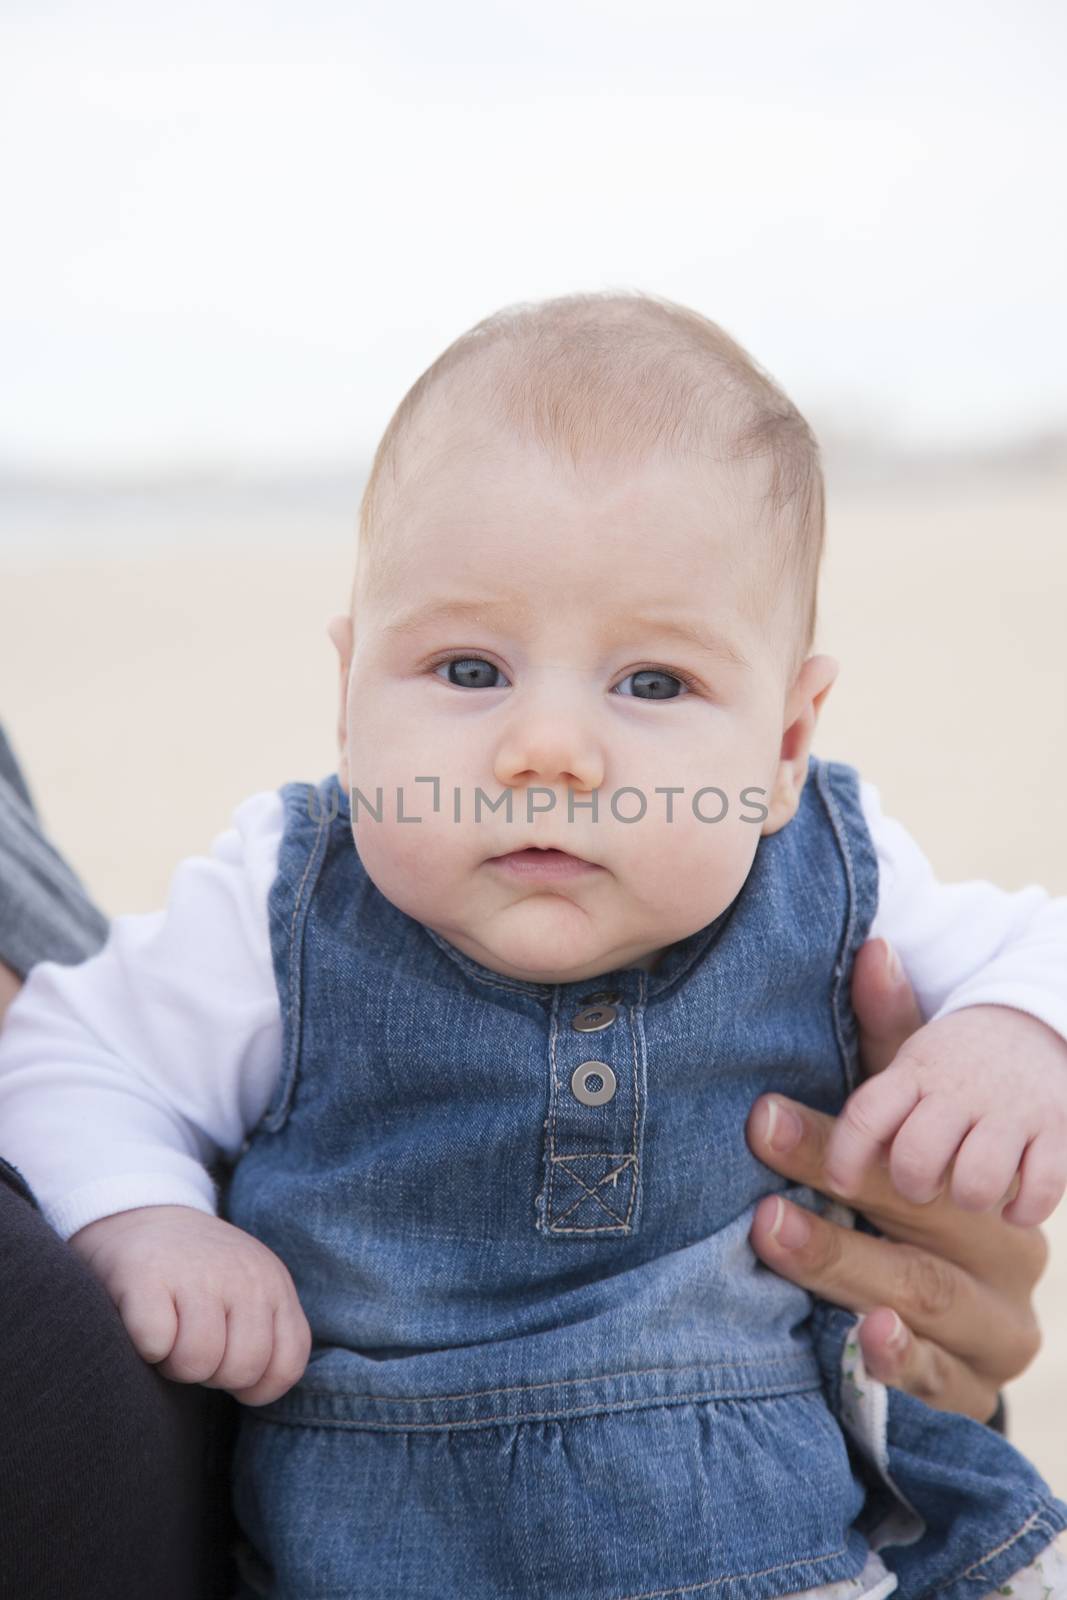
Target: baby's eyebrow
{"x": 669, "y": 625}
{"x": 457, "y": 610}
{"x": 694, "y": 633}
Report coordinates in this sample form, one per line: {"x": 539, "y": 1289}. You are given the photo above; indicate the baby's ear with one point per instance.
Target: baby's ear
{"x": 340, "y": 632}
{"x": 813, "y": 683}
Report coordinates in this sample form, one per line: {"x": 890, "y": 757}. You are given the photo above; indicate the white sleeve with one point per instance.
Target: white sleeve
{"x": 967, "y": 944}
{"x": 124, "y": 1077}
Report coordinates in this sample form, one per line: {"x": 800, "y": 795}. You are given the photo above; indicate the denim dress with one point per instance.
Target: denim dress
{"x": 547, "y": 1364}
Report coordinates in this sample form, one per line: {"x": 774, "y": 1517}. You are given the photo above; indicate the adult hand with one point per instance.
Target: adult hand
{"x": 947, "y": 1293}
{"x": 10, "y": 984}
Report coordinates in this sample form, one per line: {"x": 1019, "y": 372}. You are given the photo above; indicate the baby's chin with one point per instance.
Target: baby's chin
{"x": 545, "y": 940}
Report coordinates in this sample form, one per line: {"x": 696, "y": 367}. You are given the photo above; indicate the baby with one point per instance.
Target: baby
{"x": 477, "y": 1022}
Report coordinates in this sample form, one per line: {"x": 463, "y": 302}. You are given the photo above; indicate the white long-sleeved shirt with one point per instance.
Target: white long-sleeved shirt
{"x": 122, "y": 1079}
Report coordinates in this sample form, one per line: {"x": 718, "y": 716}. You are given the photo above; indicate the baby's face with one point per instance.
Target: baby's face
{"x": 557, "y": 598}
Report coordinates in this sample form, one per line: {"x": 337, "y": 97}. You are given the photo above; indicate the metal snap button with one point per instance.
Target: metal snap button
{"x": 590, "y": 1019}
{"x": 602, "y": 997}
{"x": 587, "y": 1073}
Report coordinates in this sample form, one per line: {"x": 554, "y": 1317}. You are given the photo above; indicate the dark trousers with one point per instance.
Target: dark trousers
{"x": 114, "y": 1481}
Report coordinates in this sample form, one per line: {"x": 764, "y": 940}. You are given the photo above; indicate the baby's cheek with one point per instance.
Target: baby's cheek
{"x": 391, "y": 850}
{"x": 693, "y": 868}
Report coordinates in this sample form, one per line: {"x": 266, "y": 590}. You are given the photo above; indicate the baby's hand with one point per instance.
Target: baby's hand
{"x": 985, "y": 1087}
{"x": 201, "y": 1299}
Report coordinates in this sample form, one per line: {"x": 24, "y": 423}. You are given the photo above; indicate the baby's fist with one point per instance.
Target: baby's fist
{"x": 202, "y": 1300}
{"x": 974, "y": 1099}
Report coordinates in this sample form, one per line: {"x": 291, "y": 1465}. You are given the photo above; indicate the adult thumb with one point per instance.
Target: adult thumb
{"x": 884, "y": 1002}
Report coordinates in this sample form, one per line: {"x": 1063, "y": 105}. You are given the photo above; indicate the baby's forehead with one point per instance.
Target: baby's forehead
{"x": 587, "y": 403}
{"x": 469, "y": 446}
{"x": 494, "y": 523}
{"x": 461, "y": 450}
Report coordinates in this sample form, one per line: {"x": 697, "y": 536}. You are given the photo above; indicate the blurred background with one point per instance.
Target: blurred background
{"x": 238, "y": 233}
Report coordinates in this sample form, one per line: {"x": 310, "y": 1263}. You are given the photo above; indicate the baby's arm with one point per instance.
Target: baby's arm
{"x": 121, "y": 1077}
{"x": 983, "y": 1084}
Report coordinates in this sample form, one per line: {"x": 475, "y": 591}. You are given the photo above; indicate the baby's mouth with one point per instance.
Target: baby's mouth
{"x": 537, "y": 862}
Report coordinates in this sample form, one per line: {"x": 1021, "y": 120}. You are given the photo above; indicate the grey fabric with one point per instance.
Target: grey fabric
{"x": 11, "y": 772}
{"x": 46, "y": 913}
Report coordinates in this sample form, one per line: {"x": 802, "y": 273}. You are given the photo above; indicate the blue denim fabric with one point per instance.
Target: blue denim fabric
{"x": 546, "y": 1361}
{"x": 987, "y": 1512}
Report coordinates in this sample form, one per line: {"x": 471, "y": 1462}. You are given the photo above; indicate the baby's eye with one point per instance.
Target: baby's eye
{"x": 651, "y": 683}
{"x": 470, "y": 672}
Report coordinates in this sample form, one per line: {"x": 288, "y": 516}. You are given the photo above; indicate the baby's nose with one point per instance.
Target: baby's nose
{"x": 555, "y": 750}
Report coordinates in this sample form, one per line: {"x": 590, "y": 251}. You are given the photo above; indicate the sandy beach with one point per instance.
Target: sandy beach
{"x": 148, "y": 693}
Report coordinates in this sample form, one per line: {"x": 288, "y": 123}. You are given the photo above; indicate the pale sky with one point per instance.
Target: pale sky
{"x": 237, "y": 233}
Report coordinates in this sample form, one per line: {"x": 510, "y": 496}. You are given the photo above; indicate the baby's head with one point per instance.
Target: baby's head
{"x": 587, "y": 574}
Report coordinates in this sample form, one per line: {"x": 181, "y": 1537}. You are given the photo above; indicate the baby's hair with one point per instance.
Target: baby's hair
{"x": 624, "y": 372}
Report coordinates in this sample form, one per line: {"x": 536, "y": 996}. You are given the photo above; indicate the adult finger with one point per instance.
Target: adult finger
{"x": 893, "y": 1355}
{"x": 937, "y": 1300}
{"x": 792, "y": 1140}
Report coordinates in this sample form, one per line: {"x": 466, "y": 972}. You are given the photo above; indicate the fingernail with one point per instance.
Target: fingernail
{"x": 893, "y": 966}
{"x": 784, "y": 1128}
{"x": 790, "y": 1228}
{"x": 897, "y": 1337}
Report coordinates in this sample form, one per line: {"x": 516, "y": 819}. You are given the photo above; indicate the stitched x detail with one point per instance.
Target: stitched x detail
{"x": 598, "y": 1191}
